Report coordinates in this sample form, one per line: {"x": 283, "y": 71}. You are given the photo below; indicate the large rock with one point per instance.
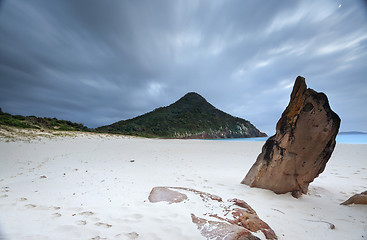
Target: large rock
{"x": 303, "y": 143}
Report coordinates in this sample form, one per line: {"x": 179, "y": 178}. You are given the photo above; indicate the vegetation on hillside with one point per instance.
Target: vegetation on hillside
{"x": 191, "y": 116}
{"x": 39, "y": 123}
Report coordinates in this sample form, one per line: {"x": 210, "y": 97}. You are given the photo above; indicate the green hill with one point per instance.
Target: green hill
{"x": 39, "y": 122}
{"x": 190, "y": 117}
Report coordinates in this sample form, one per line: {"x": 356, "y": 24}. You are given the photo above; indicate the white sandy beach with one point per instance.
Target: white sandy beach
{"x": 90, "y": 186}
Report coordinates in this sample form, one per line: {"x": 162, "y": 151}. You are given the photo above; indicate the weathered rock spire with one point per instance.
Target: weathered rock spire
{"x": 303, "y": 143}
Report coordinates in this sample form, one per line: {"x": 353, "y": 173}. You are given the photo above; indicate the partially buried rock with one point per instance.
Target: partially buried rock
{"x": 233, "y": 219}
{"x": 303, "y": 144}
{"x": 222, "y": 230}
{"x": 357, "y": 199}
{"x": 159, "y": 194}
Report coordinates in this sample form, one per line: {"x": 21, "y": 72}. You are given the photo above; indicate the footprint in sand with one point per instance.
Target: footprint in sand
{"x": 98, "y": 238}
{"x": 54, "y": 208}
{"x": 56, "y": 215}
{"x": 45, "y": 208}
{"x": 81, "y": 222}
{"x": 75, "y": 209}
{"x": 30, "y": 206}
{"x": 86, "y": 214}
{"x": 342, "y": 177}
{"x": 137, "y": 216}
{"x": 132, "y": 235}
{"x": 104, "y": 225}
{"x": 22, "y": 199}
{"x": 4, "y": 196}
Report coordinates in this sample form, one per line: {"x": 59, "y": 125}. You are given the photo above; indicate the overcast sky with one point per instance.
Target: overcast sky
{"x": 98, "y": 62}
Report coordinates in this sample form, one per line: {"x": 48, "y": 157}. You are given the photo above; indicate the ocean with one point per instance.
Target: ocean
{"x": 349, "y": 138}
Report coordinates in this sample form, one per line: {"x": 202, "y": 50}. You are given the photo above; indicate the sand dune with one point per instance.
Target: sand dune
{"x": 90, "y": 186}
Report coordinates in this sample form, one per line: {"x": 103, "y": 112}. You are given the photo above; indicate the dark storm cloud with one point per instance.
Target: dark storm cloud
{"x": 98, "y": 62}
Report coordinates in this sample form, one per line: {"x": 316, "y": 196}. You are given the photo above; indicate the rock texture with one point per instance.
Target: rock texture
{"x": 221, "y": 230}
{"x": 303, "y": 143}
{"x": 357, "y": 199}
{"x": 232, "y": 220}
{"x": 164, "y": 194}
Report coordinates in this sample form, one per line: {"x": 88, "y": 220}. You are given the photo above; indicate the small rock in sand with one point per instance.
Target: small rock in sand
{"x": 159, "y": 194}
{"x": 357, "y": 199}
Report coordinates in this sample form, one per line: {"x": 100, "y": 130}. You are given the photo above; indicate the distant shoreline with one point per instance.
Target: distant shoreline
{"x": 342, "y": 137}
{"x": 352, "y": 132}
{"x": 15, "y": 134}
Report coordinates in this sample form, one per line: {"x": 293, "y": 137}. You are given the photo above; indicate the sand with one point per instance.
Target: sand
{"x": 91, "y": 186}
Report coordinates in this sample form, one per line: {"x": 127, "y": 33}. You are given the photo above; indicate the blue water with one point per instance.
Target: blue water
{"x": 353, "y": 138}
{"x": 350, "y": 138}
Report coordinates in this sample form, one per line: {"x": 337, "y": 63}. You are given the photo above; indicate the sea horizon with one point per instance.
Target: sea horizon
{"x": 343, "y": 137}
